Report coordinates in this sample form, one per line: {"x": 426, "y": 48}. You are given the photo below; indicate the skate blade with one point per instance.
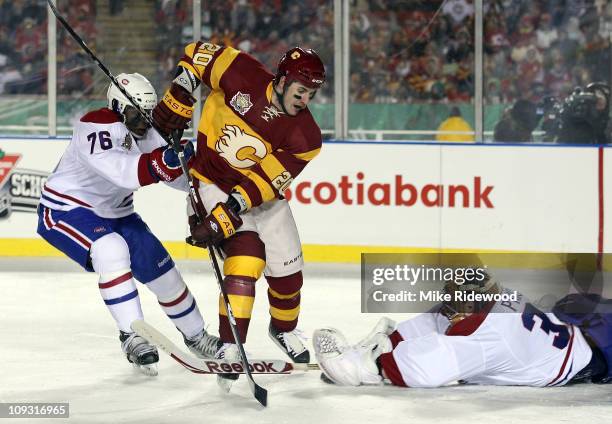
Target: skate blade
{"x": 225, "y": 384}
{"x": 149, "y": 369}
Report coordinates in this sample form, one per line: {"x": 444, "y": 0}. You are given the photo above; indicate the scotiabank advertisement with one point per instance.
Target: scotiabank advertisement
{"x": 509, "y": 198}
{"x": 445, "y": 196}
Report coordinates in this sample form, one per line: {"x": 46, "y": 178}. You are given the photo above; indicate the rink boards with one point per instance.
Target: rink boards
{"x": 387, "y": 197}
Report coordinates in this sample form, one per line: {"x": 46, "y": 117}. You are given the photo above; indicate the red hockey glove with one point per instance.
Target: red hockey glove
{"x": 220, "y": 224}
{"x": 175, "y": 110}
{"x": 163, "y": 164}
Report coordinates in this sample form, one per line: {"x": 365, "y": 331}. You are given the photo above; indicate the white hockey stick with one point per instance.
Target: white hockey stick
{"x": 215, "y": 366}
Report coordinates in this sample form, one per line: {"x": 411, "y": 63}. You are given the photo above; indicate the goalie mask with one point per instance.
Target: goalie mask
{"x": 142, "y": 92}
{"x": 458, "y": 307}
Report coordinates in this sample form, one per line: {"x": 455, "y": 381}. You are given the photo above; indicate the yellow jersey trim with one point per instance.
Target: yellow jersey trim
{"x": 308, "y": 156}
{"x": 221, "y": 64}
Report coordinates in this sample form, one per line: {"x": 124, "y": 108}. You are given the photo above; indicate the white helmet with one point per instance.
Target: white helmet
{"x": 137, "y": 86}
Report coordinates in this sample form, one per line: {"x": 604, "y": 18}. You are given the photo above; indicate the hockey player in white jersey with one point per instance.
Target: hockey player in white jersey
{"x": 493, "y": 343}
{"x": 86, "y": 211}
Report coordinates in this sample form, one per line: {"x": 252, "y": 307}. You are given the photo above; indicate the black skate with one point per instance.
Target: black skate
{"x": 139, "y": 352}
{"x": 203, "y": 345}
{"x": 291, "y": 342}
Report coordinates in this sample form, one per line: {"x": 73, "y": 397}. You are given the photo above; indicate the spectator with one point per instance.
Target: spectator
{"x": 546, "y": 34}
{"x": 455, "y": 123}
{"x": 517, "y": 123}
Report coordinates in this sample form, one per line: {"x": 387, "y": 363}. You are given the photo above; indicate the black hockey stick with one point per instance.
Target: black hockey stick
{"x": 259, "y": 392}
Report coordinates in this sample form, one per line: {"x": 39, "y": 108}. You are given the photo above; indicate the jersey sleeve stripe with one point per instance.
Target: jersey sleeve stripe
{"x": 190, "y": 68}
{"x": 272, "y": 167}
{"x": 252, "y": 191}
{"x": 187, "y": 62}
{"x": 265, "y": 189}
{"x": 308, "y": 156}
{"x": 222, "y": 62}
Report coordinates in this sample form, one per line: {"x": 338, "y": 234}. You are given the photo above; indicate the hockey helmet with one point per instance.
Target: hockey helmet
{"x": 301, "y": 65}
{"x": 455, "y": 309}
{"x": 137, "y": 86}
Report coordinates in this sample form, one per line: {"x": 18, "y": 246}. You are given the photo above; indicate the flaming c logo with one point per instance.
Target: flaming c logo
{"x": 239, "y": 149}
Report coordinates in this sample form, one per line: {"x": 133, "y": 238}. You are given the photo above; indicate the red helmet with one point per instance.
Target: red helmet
{"x": 303, "y": 66}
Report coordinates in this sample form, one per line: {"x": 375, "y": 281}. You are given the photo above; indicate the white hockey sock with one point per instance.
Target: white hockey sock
{"x": 120, "y": 295}
{"x": 177, "y": 302}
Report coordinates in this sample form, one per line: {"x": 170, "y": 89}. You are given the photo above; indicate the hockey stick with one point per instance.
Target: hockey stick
{"x": 214, "y": 366}
{"x": 259, "y": 392}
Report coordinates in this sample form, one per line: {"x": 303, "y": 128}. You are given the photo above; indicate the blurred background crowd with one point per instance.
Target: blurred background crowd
{"x": 401, "y": 51}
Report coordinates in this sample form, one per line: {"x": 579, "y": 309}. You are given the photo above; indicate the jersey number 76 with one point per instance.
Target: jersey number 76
{"x": 105, "y": 140}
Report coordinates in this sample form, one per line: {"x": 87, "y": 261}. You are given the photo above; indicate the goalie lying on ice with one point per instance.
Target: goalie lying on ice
{"x": 496, "y": 343}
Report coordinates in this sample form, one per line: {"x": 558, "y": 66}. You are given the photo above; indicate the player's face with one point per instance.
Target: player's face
{"x": 296, "y": 97}
{"x": 134, "y": 122}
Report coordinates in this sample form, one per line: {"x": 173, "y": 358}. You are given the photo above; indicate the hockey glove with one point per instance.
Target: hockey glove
{"x": 175, "y": 110}
{"x": 163, "y": 164}
{"x": 220, "y": 224}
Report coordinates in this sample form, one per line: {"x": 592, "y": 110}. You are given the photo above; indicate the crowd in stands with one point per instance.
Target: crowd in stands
{"x": 23, "y": 47}
{"x": 422, "y": 51}
{"x": 401, "y": 51}
{"x": 265, "y": 29}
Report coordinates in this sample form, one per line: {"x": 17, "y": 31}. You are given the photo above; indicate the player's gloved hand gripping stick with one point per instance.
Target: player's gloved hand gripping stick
{"x": 259, "y": 392}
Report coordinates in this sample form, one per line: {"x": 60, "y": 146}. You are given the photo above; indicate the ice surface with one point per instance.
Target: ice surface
{"x": 59, "y": 344}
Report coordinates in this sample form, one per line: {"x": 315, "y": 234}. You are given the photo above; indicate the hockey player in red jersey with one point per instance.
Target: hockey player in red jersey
{"x": 255, "y": 136}
{"x": 86, "y": 211}
{"x": 495, "y": 343}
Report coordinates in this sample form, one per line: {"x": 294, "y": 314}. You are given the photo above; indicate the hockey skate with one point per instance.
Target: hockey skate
{"x": 228, "y": 352}
{"x": 139, "y": 353}
{"x": 203, "y": 345}
{"x": 292, "y": 343}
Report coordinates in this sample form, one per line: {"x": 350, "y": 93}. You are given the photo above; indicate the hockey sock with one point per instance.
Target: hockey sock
{"x": 245, "y": 260}
{"x": 241, "y": 294}
{"x": 284, "y": 298}
{"x": 177, "y": 302}
{"x": 120, "y": 295}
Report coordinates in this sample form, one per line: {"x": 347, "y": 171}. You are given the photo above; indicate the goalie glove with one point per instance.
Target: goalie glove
{"x": 163, "y": 164}
{"x": 175, "y": 110}
{"x": 218, "y": 225}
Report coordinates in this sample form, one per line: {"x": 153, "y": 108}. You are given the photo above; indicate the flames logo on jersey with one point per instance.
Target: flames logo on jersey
{"x": 239, "y": 149}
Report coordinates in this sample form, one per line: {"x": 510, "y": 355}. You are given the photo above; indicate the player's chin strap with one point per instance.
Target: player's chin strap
{"x": 281, "y": 96}
{"x": 259, "y": 392}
